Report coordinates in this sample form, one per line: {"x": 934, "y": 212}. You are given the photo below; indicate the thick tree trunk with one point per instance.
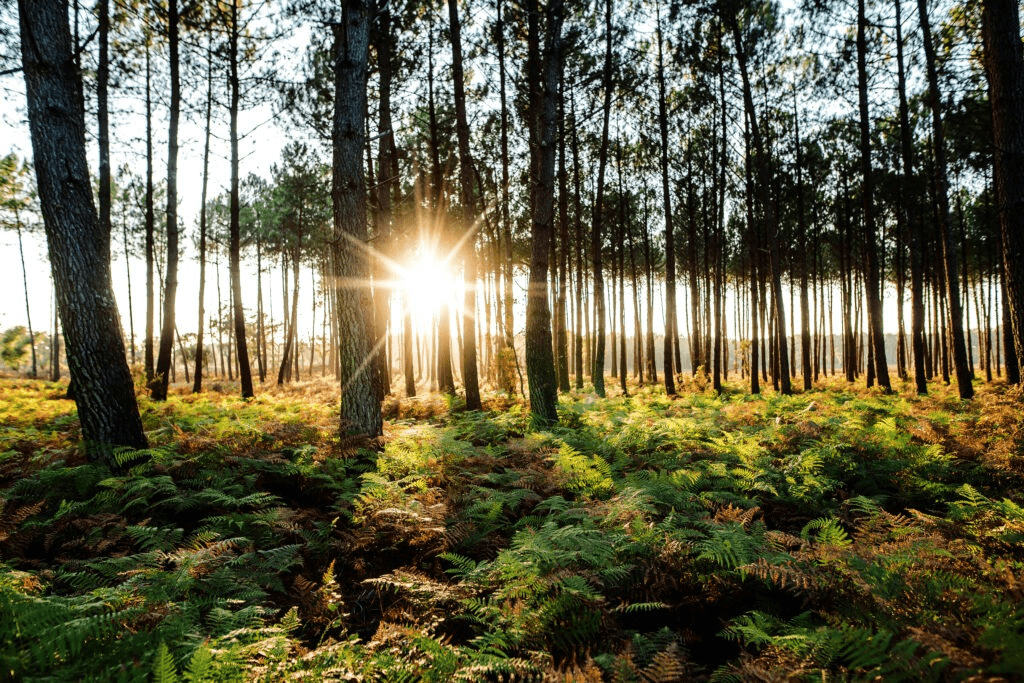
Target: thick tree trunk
{"x": 770, "y": 216}
{"x": 79, "y": 259}
{"x": 596, "y": 235}
{"x": 670, "y": 249}
{"x": 1004, "y": 67}
{"x": 581, "y": 269}
{"x": 164, "y": 356}
{"x": 237, "y": 311}
{"x": 872, "y": 283}
{"x": 805, "y": 308}
{"x": 360, "y": 409}
{"x": 949, "y": 257}
{"x": 561, "y": 338}
{"x": 467, "y": 239}
{"x": 543, "y": 115}
{"x": 103, "y": 119}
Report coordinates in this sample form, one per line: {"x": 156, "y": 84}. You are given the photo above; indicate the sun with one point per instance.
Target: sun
{"x": 428, "y": 282}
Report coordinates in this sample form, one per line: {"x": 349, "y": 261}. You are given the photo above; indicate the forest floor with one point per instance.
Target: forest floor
{"x": 837, "y": 534}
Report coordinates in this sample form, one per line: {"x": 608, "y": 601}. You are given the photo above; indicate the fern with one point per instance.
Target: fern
{"x": 164, "y": 670}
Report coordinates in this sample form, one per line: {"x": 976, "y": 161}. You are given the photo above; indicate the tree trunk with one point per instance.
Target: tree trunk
{"x": 581, "y": 269}
{"x": 150, "y": 227}
{"x": 670, "y": 250}
{"x": 24, "y": 281}
{"x": 1004, "y": 67}
{"x": 79, "y": 259}
{"x": 103, "y": 119}
{"x": 771, "y": 218}
{"x": 197, "y": 383}
{"x": 955, "y": 322}
{"x": 237, "y": 311}
{"x": 470, "y": 378}
{"x": 543, "y": 113}
{"x": 596, "y": 235}
{"x": 164, "y": 357}
{"x": 360, "y": 409}
{"x": 561, "y": 338}
{"x": 872, "y": 277}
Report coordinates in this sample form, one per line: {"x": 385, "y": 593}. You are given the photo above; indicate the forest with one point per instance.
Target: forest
{"x": 622, "y": 340}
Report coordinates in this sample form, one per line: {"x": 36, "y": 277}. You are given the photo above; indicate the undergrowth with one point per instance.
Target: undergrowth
{"x": 833, "y": 535}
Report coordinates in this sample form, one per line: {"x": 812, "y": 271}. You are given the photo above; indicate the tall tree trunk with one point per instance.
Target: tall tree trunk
{"x": 128, "y": 281}
{"x": 753, "y": 249}
{"x": 164, "y": 357}
{"x": 561, "y": 338}
{"x": 197, "y": 383}
{"x": 1004, "y": 67}
{"x": 949, "y": 257}
{"x": 261, "y": 338}
{"x": 103, "y": 119}
{"x": 805, "y": 309}
{"x": 771, "y": 218}
{"x": 238, "y": 312}
{"x": 79, "y": 259}
{"x": 24, "y": 281}
{"x": 150, "y": 227}
{"x": 873, "y": 276}
{"x": 581, "y": 269}
{"x": 467, "y": 239}
{"x": 506, "y": 218}
{"x": 596, "y": 235}
{"x": 670, "y": 249}
{"x": 913, "y": 220}
{"x": 543, "y": 77}
{"x": 360, "y": 409}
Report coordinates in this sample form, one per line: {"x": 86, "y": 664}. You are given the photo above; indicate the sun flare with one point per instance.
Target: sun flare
{"x": 429, "y": 283}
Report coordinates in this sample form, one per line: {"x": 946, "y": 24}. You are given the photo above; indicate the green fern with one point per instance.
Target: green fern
{"x": 164, "y": 670}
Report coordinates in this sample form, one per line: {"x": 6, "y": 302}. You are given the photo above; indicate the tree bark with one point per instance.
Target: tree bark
{"x": 543, "y": 115}
{"x": 360, "y": 409}
{"x": 164, "y": 352}
{"x": 949, "y": 257}
{"x": 1004, "y": 67}
{"x": 596, "y": 236}
{"x": 872, "y": 283}
{"x": 79, "y": 259}
{"x": 670, "y": 249}
{"x": 470, "y": 378}
{"x": 197, "y": 380}
{"x": 234, "y": 247}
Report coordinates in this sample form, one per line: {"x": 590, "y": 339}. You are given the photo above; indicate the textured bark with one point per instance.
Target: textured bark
{"x": 955, "y": 321}
{"x": 1004, "y": 67}
{"x": 103, "y": 120}
{"x": 105, "y": 395}
{"x": 763, "y": 163}
{"x": 197, "y": 379}
{"x": 805, "y": 308}
{"x": 150, "y": 227}
{"x": 470, "y": 377}
{"x": 234, "y": 245}
{"x": 561, "y": 337}
{"x": 670, "y": 249}
{"x": 910, "y": 214}
{"x": 360, "y": 409}
{"x": 540, "y": 361}
{"x": 581, "y": 269}
{"x": 387, "y": 182}
{"x": 596, "y": 236}
{"x": 872, "y": 278}
{"x": 164, "y": 357}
